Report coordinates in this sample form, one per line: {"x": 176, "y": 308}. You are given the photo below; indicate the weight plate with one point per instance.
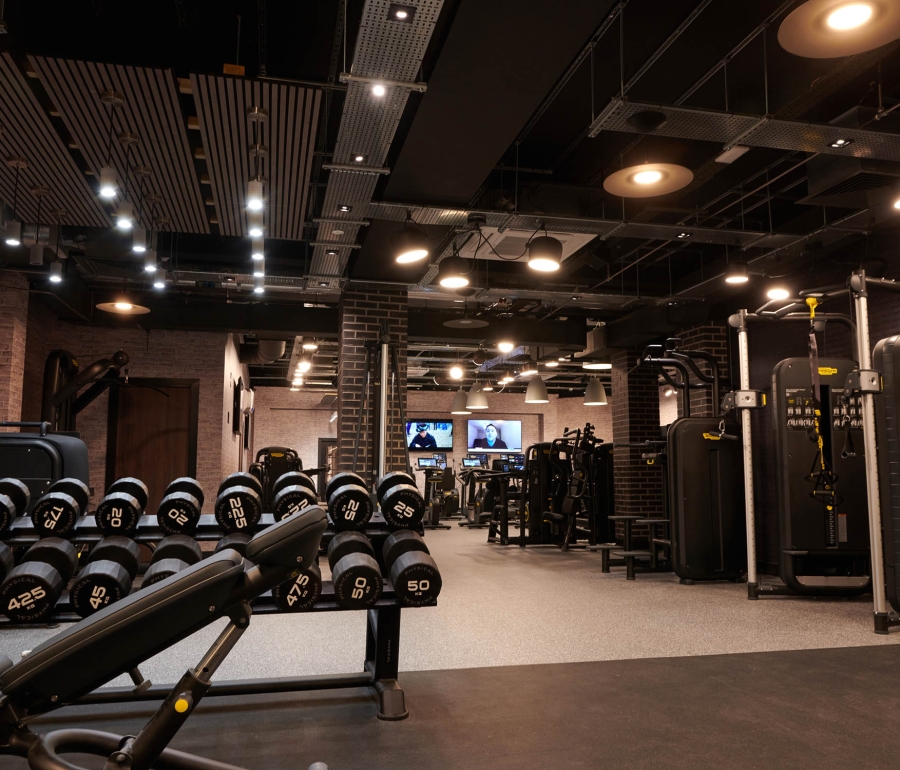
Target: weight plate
{"x": 240, "y": 479}
{"x": 58, "y": 553}
{"x": 121, "y": 550}
{"x": 392, "y": 479}
{"x": 98, "y": 585}
{"x": 55, "y": 514}
{"x": 188, "y": 485}
{"x": 6, "y": 561}
{"x": 292, "y": 499}
{"x": 76, "y": 489}
{"x": 350, "y": 507}
{"x": 292, "y": 479}
{"x": 416, "y": 579}
{"x": 400, "y": 542}
{"x": 161, "y": 570}
{"x": 29, "y": 593}
{"x": 342, "y": 479}
{"x": 178, "y": 514}
{"x": 238, "y": 509}
{"x": 18, "y": 492}
{"x": 300, "y": 593}
{"x": 348, "y": 542}
{"x": 7, "y": 512}
{"x": 403, "y": 506}
{"x": 180, "y": 547}
{"x": 118, "y": 514}
{"x": 132, "y": 486}
{"x": 357, "y": 581}
{"x": 237, "y": 541}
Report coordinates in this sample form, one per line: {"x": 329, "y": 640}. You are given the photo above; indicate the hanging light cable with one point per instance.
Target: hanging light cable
{"x": 14, "y": 226}
{"x": 125, "y": 212}
{"x": 139, "y": 235}
{"x": 36, "y": 255}
{"x": 108, "y": 186}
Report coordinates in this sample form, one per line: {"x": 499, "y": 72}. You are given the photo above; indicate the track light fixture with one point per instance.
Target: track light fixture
{"x": 125, "y": 216}
{"x": 259, "y": 268}
{"x": 139, "y": 240}
{"x": 257, "y": 249}
{"x": 255, "y": 195}
{"x": 453, "y": 273}
{"x": 255, "y": 224}
{"x": 595, "y": 394}
{"x": 150, "y": 261}
{"x": 545, "y": 254}
{"x": 410, "y": 243}
{"x": 736, "y": 272}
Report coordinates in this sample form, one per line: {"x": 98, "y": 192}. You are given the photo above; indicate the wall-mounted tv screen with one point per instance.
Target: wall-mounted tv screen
{"x": 495, "y": 435}
{"x": 429, "y": 435}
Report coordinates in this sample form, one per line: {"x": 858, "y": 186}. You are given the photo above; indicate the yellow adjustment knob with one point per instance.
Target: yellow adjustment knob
{"x": 182, "y": 705}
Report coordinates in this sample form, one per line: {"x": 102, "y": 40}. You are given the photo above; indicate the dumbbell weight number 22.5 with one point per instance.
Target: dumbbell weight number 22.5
{"x": 237, "y": 513}
{"x": 29, "y": 597}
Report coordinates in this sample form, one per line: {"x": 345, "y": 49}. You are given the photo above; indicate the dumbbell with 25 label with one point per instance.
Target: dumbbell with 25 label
{"x": 411, "y": 569}
{"x": 121, "y": 508}
{"x": 108, "y": 575}
{"x": 179, "y": 510}
{"x": 58, "y": 510}
{"x": 15, "y": 497}
{"x": 354, "y": 572}
{"x": 401, "y": 503}
{"x": 349, "y": 504}
{"x": 31, "y": 590}
{"x": 239, "y": 503}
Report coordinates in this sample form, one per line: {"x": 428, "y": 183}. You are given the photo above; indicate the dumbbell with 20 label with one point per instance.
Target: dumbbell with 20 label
{"x": 59, "y": 509}
{"x": 411, "y": 569}
{"x": 239, "y": 503}
{"x": 349, "y": 504}
{"x": 120, "y": 510}
{"x": 31, "y": 590}
{"x": 14, "y": 499}
{"x": 354, "y": 572}
{"x": 108, "y": 575}
{"x": 179, "y": 510}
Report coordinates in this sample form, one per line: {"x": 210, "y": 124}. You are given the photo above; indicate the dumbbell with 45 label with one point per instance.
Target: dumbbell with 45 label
{"x": 401, "y": 503}
{"x": 120, "y": 510}
{"x": 14, "y": 499}
{"x": 239, "y": 503}
{"x": 173, "y": 554}
{"x": 58, "y": 510}
{"x": 411, "y": 569}
{"x": 349, "y": 504}
{"x": 354, "y": 571}
{"x": 30, "y": 590}
{"x": 107, "y": 578}
{"x": 179, "y": 510}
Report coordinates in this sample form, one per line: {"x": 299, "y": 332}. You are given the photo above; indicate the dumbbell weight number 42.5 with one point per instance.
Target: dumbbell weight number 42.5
{"x": 29, "y": 597}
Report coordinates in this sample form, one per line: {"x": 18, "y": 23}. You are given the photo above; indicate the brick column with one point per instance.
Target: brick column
{"x": 363, "y": 309}
{"x": 635, "y": 412}
{"x": 710, "y": 338}
{"x": 13, "y": 329}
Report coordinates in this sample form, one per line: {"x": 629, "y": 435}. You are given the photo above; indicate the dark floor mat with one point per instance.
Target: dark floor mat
{"x": 813, "y": 709}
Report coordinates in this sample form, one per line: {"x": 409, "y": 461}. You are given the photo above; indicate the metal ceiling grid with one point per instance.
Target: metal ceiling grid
{"x": 150, "y": 110}
{"x": 289, "y": 134}
{"x": 26, "y": 131}
{"x": 725, "y": 128}
{"x": 387, "y": 49}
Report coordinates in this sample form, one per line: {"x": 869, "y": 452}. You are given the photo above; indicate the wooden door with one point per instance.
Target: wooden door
{"x": 152, "y": 433}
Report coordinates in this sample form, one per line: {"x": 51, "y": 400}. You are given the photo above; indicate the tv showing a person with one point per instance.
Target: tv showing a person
{"x": 423, "y": 439}
{"x": 491, "y": 440}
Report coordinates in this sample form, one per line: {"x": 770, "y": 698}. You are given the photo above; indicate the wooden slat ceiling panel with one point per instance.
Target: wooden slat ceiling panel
{"x": 27, "y": 131}
{"x": 150, "y": 111}
{"x": 289, "y": 134}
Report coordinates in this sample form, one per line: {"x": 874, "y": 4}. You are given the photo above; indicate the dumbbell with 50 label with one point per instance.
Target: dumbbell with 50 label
{"x": 354, "y": 571}
{"x": 411, "y": 569}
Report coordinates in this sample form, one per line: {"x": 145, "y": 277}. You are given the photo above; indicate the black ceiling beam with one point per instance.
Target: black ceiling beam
{"x": 258, "y": 317}
{"x": 570, "y": 334}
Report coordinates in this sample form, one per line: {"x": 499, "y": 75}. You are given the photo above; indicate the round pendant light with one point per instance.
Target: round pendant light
{"x": 544, "y": 254}
{"x": 648, "y": 180}
{"x": 736, "y": 272}
{"x": 537, "y": 392}
{"x": 410, "y": 244}
{"x": 476, "y": 398}
{"x": 453, "y": 273}
{"x": 459, "y": 403}
{"x": 123, "y": 305}
{"x": 826, "y": 29}
{"x": 595, "y": 395}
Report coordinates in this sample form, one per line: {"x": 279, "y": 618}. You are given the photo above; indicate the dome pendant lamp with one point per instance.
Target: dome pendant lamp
{"x": 453, "y": 273}
{"x": 459, "y": 403}
{"x": 537, "y": 391}
{"x": 595, "y": 395}
{"x": 545, "y": 254}
{"x": 476, "y": 398}
{"x": 410, "y": 243}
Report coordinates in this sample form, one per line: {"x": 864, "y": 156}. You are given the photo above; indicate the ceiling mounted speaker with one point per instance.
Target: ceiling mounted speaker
{"x": 646, "y": 121}
{"x": 648, "y": 180}
{"x": 826, "y": 29}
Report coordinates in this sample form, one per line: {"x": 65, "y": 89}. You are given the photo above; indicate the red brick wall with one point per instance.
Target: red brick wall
{"x": 710, "y": 338}
{"x": 295, "y": 420}
{"x": 13, "y": 327}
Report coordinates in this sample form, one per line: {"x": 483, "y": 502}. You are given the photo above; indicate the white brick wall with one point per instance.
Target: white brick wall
{"x": 295, "y": 420}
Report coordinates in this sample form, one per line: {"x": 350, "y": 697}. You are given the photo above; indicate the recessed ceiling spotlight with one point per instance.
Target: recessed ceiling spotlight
{"x": 827, "y": 29}
{"x": 310, "y": 345}
{"x": 399, "y": 12}
{"x": 323, "y": 284}
{"x": 345, "y": 209}
{"x": 159, "y": 283}
{"x": 331, "y": 253}
{"x": 648, "y": 180}
{"x": 778, "y": 293}
{"x": 551, "y": 364}
{"x": 683, "y": 236}
{"x": 736, "y": 272}
{"x": 359, "y": 158}
{"x": 378, "y": 90}
{"x": 505, "y": 346}
{"x": 837, "y": 144}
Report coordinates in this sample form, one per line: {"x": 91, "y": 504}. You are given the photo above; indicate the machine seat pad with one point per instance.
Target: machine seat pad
{"x": 116, "y": 639}
{"x": 290, "y": 543}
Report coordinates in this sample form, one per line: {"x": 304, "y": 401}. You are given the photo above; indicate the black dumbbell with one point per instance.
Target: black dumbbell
{"x": 239, "y": 503}
{"x": 179, "y": 510}
{"x": 31, "y": 589}
{"x": 6, "y": 561}
{"x": 173, "y": 554}
{"x": 108, "y": 576}
{"x": 58, "y": 510}
{"x": 14, "y": 499}
{"x": 349, "y": 504}
{"x": 401, "y": 503}
{"x": 411, "y": 569}
{"x": 120, "y": 510}
{"x": 236, "y": 541}
{"x": 292, "y": 479}
{"x": 354, "y": 571}
{"x": 301, "y": 592}
{"x": 292, "y": 498}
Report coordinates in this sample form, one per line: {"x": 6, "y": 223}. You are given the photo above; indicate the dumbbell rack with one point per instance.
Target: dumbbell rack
{"x": 381, "y": 666}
